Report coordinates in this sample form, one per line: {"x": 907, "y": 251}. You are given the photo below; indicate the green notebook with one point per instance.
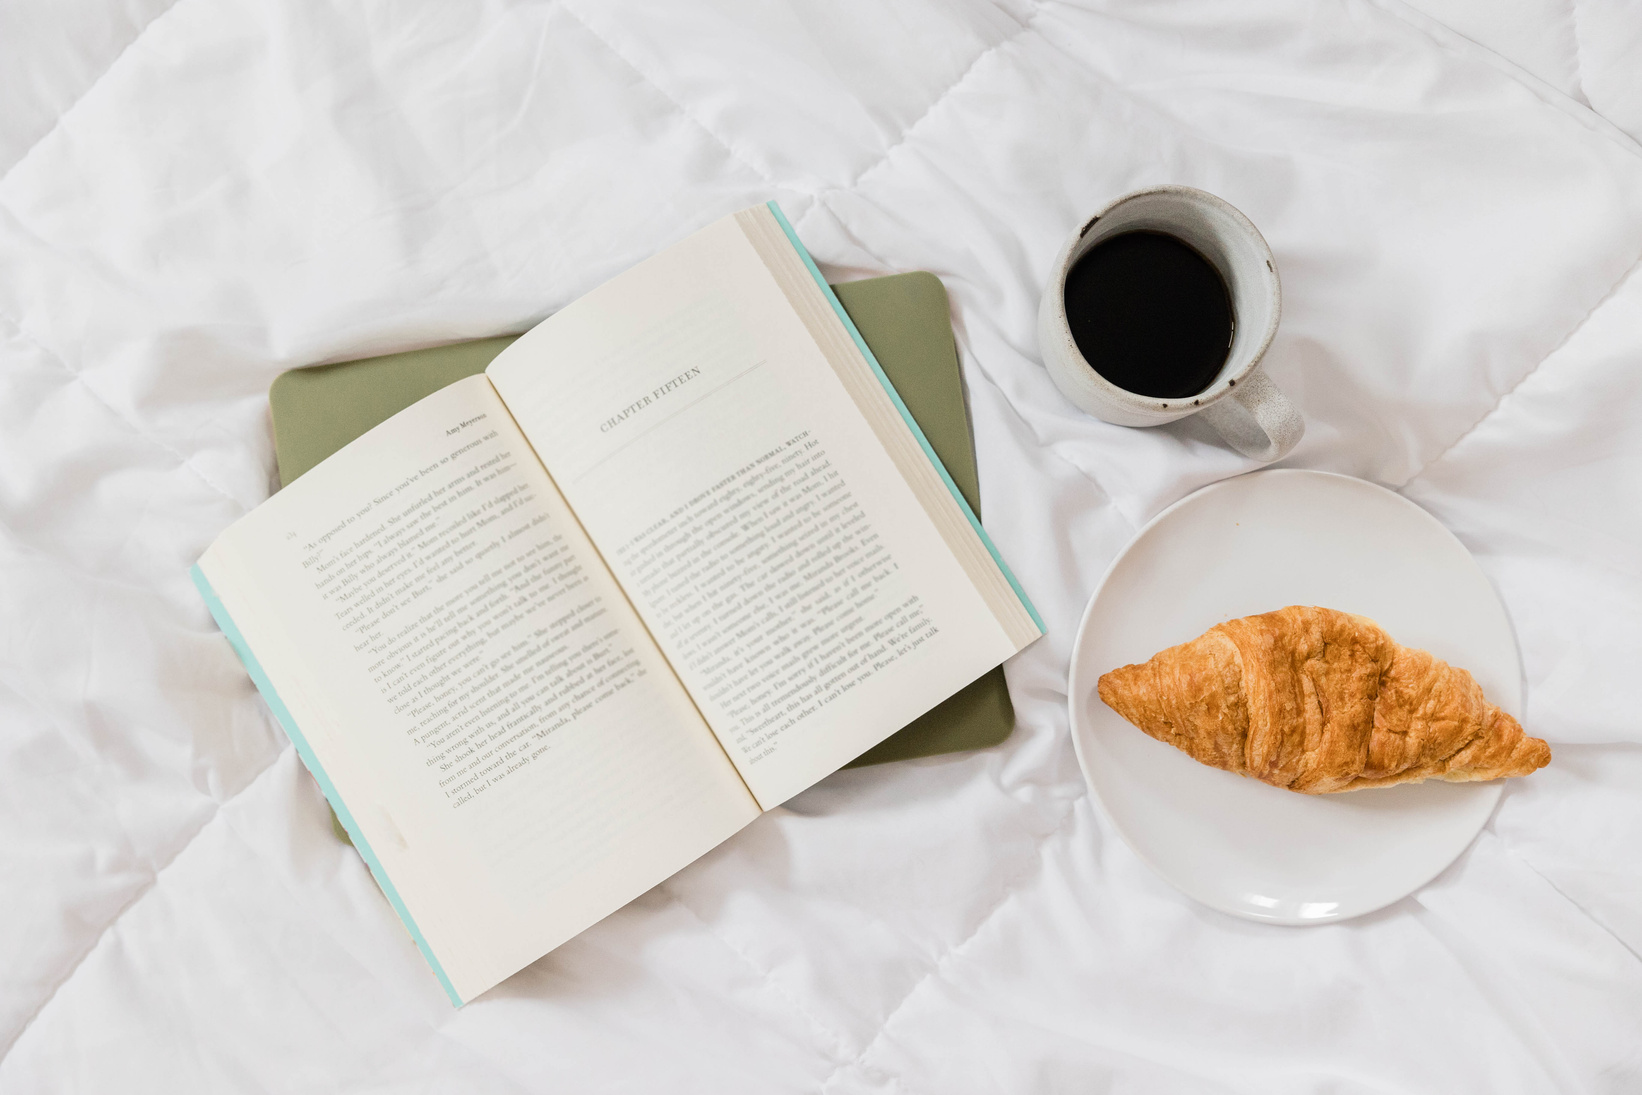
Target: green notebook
{"x": 904, "y": 320}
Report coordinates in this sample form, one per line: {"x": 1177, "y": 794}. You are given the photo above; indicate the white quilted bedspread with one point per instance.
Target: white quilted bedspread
{"x": 196, "y": 196}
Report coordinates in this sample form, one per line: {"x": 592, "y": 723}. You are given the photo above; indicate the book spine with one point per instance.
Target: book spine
{"x": 269, "y": 694}
{"x": 906, "y": 415}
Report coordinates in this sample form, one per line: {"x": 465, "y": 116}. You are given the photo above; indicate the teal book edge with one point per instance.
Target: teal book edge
{"x": 283, "y": 714}
{"x": 224, "y": 621}
{"x": 906, "y": 415}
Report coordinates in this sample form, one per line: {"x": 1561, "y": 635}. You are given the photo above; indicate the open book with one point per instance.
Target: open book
{"x": 556, "y": 630}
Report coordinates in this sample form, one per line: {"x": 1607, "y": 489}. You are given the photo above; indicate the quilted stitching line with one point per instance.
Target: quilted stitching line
{"x": 764, "y": 172}
{"x": 1510, "y": 1008}
{"x": 142, "y": 891}
{"x": 1579, "y": 53}
{"x": 1586, "y": 913}
{"x": 722, "y": 141}
{"x": 437, "y": 1029}
{"x": 1512, "y": 390}
{"x": 963, "y": 76}
{"x": 1011, "y": 890}
{"x": 75, "y": 375}
{"x": 80, "y": 98}
{"x": 764, "y": 975}
{"x": 1453, "y": 41}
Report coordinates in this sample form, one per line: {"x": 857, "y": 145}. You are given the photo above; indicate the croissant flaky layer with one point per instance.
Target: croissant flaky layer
{"x": 1316, "y": 701}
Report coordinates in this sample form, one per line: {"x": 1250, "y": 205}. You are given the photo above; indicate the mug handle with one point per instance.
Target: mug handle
{"x": 1257, "y": 419}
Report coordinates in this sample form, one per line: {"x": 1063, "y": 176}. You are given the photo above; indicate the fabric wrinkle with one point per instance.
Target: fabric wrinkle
{"x": 78, "y": 378}
{"x": 148, "y": 887}
{"x": 953, "y": 952}
{"x": 1520, "y": 381}
{"x": 87, "y": 90}
{"x": 951, "y": 925}
{"x": 724, "y": 142}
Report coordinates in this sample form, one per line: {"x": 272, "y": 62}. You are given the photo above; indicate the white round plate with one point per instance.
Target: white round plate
{"x": 1254, "y": 544}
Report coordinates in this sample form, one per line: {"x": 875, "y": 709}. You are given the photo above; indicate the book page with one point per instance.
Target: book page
{"x": 789, "y": 570}
{"x": 492, "y": 714}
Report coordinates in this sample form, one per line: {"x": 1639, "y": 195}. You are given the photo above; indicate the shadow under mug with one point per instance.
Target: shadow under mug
{"x": 1242, "y": 405}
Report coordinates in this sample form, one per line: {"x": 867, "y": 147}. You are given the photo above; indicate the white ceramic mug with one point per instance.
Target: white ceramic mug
{"x": 1241, "y": 404}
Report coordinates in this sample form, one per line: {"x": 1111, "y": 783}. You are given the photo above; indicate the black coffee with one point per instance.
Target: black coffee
{"x": 1150, "y": 314}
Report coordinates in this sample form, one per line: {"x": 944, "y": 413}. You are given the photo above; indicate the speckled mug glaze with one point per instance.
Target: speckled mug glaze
{"x": 1243, "y": 406}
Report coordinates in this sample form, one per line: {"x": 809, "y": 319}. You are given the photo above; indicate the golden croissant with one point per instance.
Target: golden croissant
{"x": 1316, "y": 701}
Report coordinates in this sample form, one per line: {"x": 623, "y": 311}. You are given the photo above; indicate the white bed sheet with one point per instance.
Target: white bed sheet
{"x": 197, "y": 196}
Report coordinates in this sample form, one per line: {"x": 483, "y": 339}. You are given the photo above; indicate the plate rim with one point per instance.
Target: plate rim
{"x": 1492, "y": 788}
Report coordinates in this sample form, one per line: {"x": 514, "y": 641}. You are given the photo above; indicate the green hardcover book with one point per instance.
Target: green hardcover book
{"x": 904, "y": 319}
{"x": 547, "y": 632}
